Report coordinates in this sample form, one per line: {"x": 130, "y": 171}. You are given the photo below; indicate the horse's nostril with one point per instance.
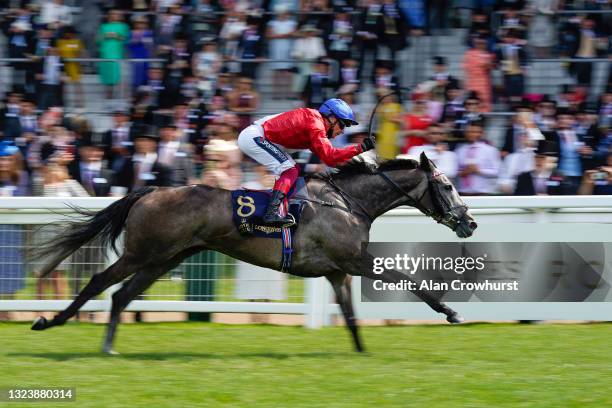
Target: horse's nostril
{"x": 473, "y": 225}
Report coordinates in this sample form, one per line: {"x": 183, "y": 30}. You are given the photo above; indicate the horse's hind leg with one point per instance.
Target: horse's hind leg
{"x": 140, "y": 282}
{"x": 98, "y": 283}
{"x": 341, "y": 282}
{"x": 130, "y": 289}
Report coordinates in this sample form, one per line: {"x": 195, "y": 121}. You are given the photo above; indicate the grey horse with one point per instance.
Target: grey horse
{"x": 163, "y": 226}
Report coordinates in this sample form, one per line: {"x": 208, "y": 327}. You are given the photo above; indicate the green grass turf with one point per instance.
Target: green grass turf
{"x": 210, "y": 365}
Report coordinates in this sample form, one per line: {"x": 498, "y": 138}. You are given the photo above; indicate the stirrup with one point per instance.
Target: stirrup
{"x": 287, "y": 221}
{"x": 290, "y": 222}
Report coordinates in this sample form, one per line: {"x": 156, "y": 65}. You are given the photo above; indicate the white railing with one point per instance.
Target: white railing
{"x": 500, "y": 219}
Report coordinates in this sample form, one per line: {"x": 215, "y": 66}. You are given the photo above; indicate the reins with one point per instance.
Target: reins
{"x": 414, "y": 203}
{"x": 347, "y": 199}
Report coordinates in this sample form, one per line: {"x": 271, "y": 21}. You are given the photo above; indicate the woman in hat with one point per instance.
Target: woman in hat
{"x": 221, "y": 168}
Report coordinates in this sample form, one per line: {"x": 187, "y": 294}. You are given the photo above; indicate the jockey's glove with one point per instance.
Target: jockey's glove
{"x": 368, "y": 144}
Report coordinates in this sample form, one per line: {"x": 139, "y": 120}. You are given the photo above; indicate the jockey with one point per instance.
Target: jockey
{"x": 266, "y": 139}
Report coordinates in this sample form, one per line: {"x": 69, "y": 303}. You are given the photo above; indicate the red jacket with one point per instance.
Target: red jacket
{"x": 304, "y": 129}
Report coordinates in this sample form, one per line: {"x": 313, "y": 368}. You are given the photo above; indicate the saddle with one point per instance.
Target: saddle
{"x": 249, "y": 207}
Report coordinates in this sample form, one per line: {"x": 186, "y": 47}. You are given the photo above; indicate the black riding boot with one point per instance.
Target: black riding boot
{"x": 272, "y": 216}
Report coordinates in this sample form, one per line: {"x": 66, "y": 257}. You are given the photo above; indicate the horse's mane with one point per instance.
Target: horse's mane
{"x": 355, "y": 167}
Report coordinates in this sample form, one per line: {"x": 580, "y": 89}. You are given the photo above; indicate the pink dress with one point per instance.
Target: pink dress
{"x": 477, "y": 66}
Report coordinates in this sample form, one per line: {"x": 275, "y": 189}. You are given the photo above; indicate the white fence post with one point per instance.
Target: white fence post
{"x": 316, "y": 302}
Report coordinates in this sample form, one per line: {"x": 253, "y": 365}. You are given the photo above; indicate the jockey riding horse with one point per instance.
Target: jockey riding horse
{"x": 266, "y": 139}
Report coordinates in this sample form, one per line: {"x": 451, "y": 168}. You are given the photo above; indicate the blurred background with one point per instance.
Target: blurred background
{"x": 103, "y": 97}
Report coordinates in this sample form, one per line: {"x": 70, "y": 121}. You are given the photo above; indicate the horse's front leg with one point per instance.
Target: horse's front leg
{"x": 341, "y": 282}
{"x": 363, "y": 267}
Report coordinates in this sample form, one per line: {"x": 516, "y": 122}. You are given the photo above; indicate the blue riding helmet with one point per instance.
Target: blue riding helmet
{"x": 339, "y": 109}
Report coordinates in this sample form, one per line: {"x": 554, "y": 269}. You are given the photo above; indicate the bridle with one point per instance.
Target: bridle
{"x": 445, "y": 214}
{"x": 450, "y": 217}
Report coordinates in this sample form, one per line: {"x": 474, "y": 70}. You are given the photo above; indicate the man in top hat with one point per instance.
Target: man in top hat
{"x": 588, "y": 132}
{"x": 544, "y": 179}
{"x": 118, "y": 139}
{"x": 89, "y": 170}
{"x": 143, "y": 167}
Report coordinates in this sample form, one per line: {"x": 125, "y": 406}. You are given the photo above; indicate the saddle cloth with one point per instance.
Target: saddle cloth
{"x": 249, "y": 207}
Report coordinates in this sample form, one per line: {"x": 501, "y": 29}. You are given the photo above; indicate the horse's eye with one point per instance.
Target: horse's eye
{"x": 448, "y": 187}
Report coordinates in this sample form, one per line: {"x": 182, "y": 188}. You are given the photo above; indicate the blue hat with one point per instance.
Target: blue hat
{"x": 339, "y": 109}
{"x": 8, "y": 148}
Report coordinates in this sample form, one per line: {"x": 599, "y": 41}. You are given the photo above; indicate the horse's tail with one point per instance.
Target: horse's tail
{"x": 105, "y": 224}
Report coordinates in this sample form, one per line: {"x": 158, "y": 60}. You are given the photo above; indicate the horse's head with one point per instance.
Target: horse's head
{"x": 443, "y": 202}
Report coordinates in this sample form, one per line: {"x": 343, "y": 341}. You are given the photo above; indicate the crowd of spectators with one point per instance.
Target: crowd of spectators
{"x": 188, "y": 105}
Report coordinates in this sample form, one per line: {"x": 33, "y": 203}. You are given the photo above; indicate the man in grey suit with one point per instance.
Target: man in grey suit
{"x": 175, "y": 155}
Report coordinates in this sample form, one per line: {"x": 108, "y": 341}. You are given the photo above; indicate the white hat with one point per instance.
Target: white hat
{"x": 220, "y": 146}
{"x": 282, "y": 8}
{"x": 347, "y": 89}
{"x": 22, "y": 25}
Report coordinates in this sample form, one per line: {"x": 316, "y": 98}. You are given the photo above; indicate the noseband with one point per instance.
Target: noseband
{"x": 446, "y": 214}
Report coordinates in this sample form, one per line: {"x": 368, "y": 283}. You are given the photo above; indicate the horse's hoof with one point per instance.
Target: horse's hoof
{"x": 40, "y": 323}
{"x": 111, "y": 352}
{"x": 455, "y": 319}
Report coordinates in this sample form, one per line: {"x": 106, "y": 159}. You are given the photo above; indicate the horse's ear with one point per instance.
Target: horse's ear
{"x": 424, "y": 163}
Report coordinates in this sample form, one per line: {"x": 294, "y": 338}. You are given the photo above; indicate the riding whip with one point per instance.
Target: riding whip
{"x": 374, "y": 112}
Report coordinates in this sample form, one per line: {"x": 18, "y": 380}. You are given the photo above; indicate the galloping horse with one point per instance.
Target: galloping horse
{"x": 163, "y": 226}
